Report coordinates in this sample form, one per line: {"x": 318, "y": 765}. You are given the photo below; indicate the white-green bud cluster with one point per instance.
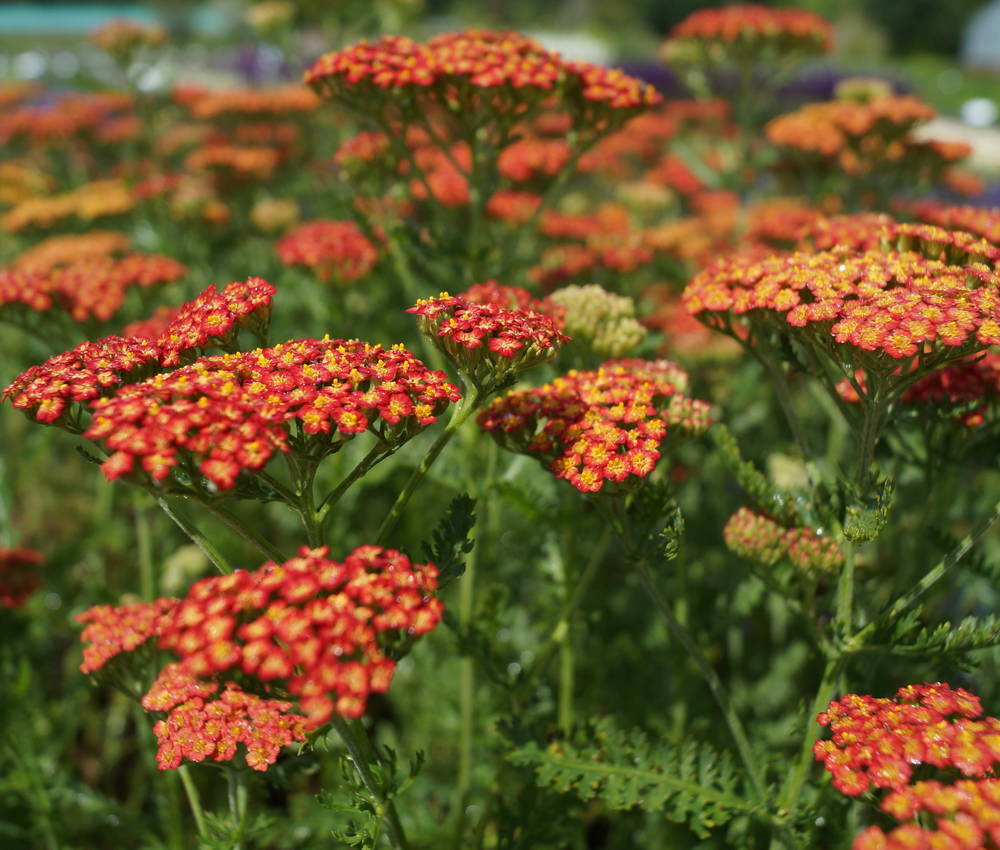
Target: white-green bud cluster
{"x": 604, "y": 320}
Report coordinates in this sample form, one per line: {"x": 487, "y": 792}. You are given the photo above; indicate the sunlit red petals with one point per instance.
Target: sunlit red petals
{"x": 336, "y": 250}
{"x": 230, "y": 413}
{"x": 597, "y": 426}
{"x": 895, "y": 303}
{"x": 879, "y": 742}
{"x": 110, "y": 630}
{"x": 18, "y": 575}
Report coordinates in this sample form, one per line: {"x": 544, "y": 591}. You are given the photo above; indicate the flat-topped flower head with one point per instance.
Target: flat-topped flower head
{"x": 506, "y": 73}
{"x": 18, "y": 575}
{"x": 599, "y": 426}
{"x": 879, "y": 742}
{"x": 981, "y": 221}
{"x": 69, "y": 248}
{"x": 110, "y": 630}
{"x": 954, "y": 247}
{"x": 336, "y": 250}
{"x": 747, "y": 29}
{"x": 224, "y": 415}
{"x": 897, "y": 304}
{"x": 604, "y": 320}
{"x": 122, "y": 37}
{"x": 59, "y": 390}
{"x": 487, "y": 342}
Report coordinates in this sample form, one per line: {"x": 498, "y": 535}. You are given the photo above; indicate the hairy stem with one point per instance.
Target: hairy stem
{"x": 194, "y": 800}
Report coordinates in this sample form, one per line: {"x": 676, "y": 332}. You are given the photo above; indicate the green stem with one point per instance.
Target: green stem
{"x": 781, "y": 388}
{"x": 191, "y": 530}
{"x": 147, "y": 580}
{"x": 462, "y": 411}
{"x": 750, "y": 761}
{"x": 258, "y": 541}
{"x": 845, "y": 589}
{"x": 194, "y": 800}
{"x": 236, "y": 786}
{"x": 363, "y": 755}
{"x": 378, "y": 453}
{"x": 42, "y": 809}
{"x": 467, "y": 688}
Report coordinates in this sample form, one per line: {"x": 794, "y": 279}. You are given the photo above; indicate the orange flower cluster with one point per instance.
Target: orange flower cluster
{"x": 18, "y": 575}
{"x": 894, "y": 303}
{"x": 70, "y": 248}
{"x": 488, "y": 340}
{"x": 754, "y": 26}
{"x": 562, "y": 263}
{"x": 154, "y": 326}
{"x": 514, "y": 207}
{"x": 597, "y": 426}
{"x": 92, "y": 288}
{"x": 197, "y": 727}
{"x": 244, "y": 162}
{"x": 607, "y": 220}
{"x": 283, "y": 100}
{"x": 229, "y": 413}
{"x": 90, "y": 201}
{"x": 533, "y": 158}
{"x": 982, "y": 221}
{"x": 674, "y": 173}
{"x": 455, "y": 66}
{"x": 310, "y": 627}
{"x": 441, "y": 174}
{"x": 52, "y": 391}
{"x": 879, "y": 742}
{"x": 334, "y": 250}
{"x": 757, "y": 537}
{"x": 365, "y": 147}
{"x": 68, "y": 117}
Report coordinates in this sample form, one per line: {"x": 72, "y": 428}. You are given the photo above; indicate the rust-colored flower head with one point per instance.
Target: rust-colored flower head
{"x": 335, "y": 250}
{"x": 598, "y": 426}
{"x": 122, "y": 37}
{"x": 223, "y": 415}
{"x": 488, "y": 343}
{"x": 18, "y": 575}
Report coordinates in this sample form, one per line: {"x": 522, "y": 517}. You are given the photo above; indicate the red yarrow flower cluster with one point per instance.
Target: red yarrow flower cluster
{"x": 754, "y": 24}
{"x": 897, "y": 303}
{"x": 759, "y": 538}
{"x": 229, "y": 413}
{"x": 200, "y": 725}
{"x": 954, "y": 247}
{"x": 487, "y": 339}
{"x": 18, "y": 575}
{"x": 53, "y": 391}
{"x": 110, "y": 630}
{"x": 879, "y": 742}
{"x": 982, "y": 221}
{"x": 597, "y": 426}
{"x": 514, "y": 298}
{"x": 335, "y": 250}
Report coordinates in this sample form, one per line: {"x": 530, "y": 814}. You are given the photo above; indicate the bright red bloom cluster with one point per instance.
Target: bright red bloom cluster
{"x": 757, "y": 25}
{"x": 310, "y": 626}
{"x": 563, "y": 263}
{"x": 893, "y": 303}
{"x": 532, "y": 158}
{"x": 982, "y": 221}
{"x": 335, "y": 250}
{"x": 110, "y": 630}
{"x": 311, "y": 622}
{"x": 459, "y": 64}
{"x": 68, "y": 116}
{"x": 197, "y": 728}
{"x": 18, "y": 575}
{"x": 597, "y": 426}
{"x": 512, "y": 297}
{"x": 93, "y": 288}
{"x": 879, "y": 742}
{"x": 759, "y": 538}
{"x": 48, "y": 391}
{"x": 487, "y": 338}
{"x": 226, "y": 414}
{"x": 513, "y": 206}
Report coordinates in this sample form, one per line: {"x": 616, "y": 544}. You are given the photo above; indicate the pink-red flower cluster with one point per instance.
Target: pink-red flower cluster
{"x": 513, "y": 206}
{"x": 955, "y": 247}
{"x": 257, "y": 102}
{"x": 335, "y": 250}
{"x": 597, "y": 426}
{"x": 896, "y": 303}
{"x": 486, "y": 339}
{"x": 982, "y": 221}
{"x": 513, "y": 298}
{"x": 18, "y": 575}
{"x": 110, "y": 630}
{"x": 225, "y": 414}
{"x": 756, "y": 536}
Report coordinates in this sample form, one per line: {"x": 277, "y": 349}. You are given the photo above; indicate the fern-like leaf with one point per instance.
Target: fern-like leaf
{"x": 690, "y": 784}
